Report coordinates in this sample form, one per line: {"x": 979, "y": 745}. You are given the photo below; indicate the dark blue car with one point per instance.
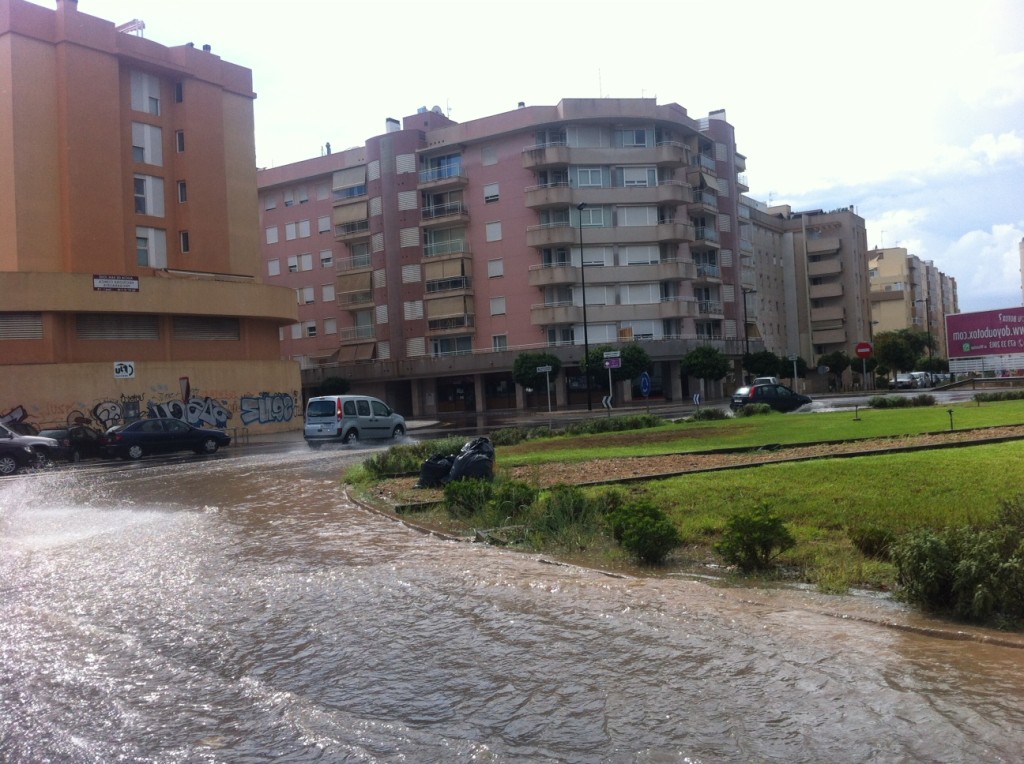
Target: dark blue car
{"x": 160, "y": 435}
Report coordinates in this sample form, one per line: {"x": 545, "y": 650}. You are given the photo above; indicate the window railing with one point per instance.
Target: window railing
{"x": 441, "y": 173}
{"x": 704, "y": 269}
{"x": 438, "y": 248}
{"x": 346, "y": 229}
{"x": 546, "y": 144}
{"x": 447, "y": 323}
{"x": 706, "y": 233}
{"x": 349, "y": 333}
{"x": 349, "y": 193}
{"x": 351, "y": 263}
{"x": 446, "y": 285}
{"x": 705, "y": 307}
{"x": 704, "y": 161}
{"x": 355, "y": 298}
{"x": 443, "y": 210}
{"x": 553, "y": 184}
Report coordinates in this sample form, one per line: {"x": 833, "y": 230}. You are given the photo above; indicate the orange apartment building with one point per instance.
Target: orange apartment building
{"x": 426, "y": 260}
{"x": 131, "y": 281}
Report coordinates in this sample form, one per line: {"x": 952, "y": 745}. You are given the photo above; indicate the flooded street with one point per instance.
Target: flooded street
{"x": 241, "y": 609}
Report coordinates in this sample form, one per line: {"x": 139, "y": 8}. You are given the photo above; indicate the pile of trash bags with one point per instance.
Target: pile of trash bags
{"x": 474, "y": 461}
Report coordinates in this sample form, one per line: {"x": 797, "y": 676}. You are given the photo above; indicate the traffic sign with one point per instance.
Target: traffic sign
{"x": 645, "y": 384}
{"x": 864, "y": 350}
{"x": 612, "y": 354}
{"x": 543, "y": 369}
{"x": 613, "y": 363}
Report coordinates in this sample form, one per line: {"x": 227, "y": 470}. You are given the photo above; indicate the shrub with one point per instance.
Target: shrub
{"x": 709, "y": 414}
{"x": 900, "y": 401}
{"x": 512, "y": 498}
{"x": 1002, "y": 395}
{"x": 754, "y": 409}
{"x": 923, "y": 399}
{"x": 751, "y": 540}
{"x": 644, "y": 531}
{"x": 407, "y": 458}
{"x": 975, "y": 574}
{"x": 614, "y": 424}
{"x": 465, "y": 498}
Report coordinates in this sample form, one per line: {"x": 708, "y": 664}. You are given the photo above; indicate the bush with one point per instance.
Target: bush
{"x": 923, "y": 399}
{"x": 709, "y": 414}
{"x": 407, "y": 458}
{"x": 1002, "y": 395}
{"x": 872, "y": 541}
{"x": 753, "y": 539}
{"x": 900, "y": 401}
{"x": 754, "y": 409}
{"x": 614, "y": 424}
{"x": 510, "y": 436}
{"x": 512, "y": 498}
{"x": 644, "y": 531}
{"x": 465, "y": 498}
{"x": 975, "y": 574}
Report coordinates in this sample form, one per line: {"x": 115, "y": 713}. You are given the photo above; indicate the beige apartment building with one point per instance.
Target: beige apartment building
{"x": 425, "y": 261}
{"x": 908, "y": 292}
{"x": 130, "y": 262}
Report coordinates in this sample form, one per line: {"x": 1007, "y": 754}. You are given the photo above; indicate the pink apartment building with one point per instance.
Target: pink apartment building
{"x": 425, "y": 261}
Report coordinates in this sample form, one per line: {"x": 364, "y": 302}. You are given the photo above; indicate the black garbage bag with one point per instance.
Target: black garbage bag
{"x": 475, "y": 460}
{"x": 434, "y": 471}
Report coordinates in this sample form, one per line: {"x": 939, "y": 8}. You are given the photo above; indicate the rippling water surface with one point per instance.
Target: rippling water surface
{"x": 242, "y": 610}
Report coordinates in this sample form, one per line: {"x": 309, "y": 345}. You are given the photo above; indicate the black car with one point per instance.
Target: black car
{"x": 17, "y": 453}
{"x": 160, "y": 435}
{"x": 77, "y": 441}
{"x": 779, "y": 397}
{"x": 48, "y": 449}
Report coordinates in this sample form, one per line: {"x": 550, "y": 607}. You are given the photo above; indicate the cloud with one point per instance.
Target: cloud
{"x": 989, "y": 262}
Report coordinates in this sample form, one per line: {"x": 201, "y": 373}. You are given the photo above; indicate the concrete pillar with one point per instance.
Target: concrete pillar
{"x": 673, "y": 381}
{"x": 561, "y": 393}
{"x": 478, "y": 392}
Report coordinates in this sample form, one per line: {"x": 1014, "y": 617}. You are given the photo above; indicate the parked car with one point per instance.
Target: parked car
{"x": 922, "y": 379}
{"x": 766, "y": 381}
{"x": 16, "y": 455}
{"x": 779, "y": 397}
{"x": 348, "y": 418}
{"x": 903, "y": 382}
{"x": 49, "y": 450}
{"x": 22, "y": 428}
{"x": 160, "y": 435}
{"x": 77, "y": 442}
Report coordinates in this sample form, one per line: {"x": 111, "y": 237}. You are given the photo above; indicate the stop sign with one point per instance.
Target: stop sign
{"x": 864, "y": 349}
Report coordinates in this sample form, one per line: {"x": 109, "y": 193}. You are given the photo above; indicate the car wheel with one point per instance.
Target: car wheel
{"x": 208, "y": 446}
{"x": 398, "y": 432}
{"x": 351, "y": 436}
{"x": 8, "y": 465}
{"x": 134, "y": 452}
{"x": 314, "y": 445}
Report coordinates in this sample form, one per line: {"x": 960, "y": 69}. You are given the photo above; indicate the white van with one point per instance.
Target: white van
{"x": 348, "y": 418}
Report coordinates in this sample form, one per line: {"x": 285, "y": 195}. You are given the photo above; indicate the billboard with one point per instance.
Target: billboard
{"x": 987, "y": 332}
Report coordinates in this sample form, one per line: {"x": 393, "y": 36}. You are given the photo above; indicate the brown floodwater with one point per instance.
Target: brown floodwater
{"x": 242, "y": 609}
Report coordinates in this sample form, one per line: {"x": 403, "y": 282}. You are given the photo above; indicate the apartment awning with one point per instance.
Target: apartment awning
{"x": 347, "y": 354}
{"x": 324, "y": 355}
{"x": 350, "y": 213}
{"x": 365, "y": 352}
{"x": 353, "y": 282}
{"x": 350, "y": 176}
{"x": 446, "y": 269}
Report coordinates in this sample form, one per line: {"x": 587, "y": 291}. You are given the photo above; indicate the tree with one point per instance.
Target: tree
{"x": 524, "y": 370}
{"x": 634, "y": 358}
{"x": 705, "y": 363}
{"x": 899, "y": 350}
{"x": 764, "y": 364}
{"x": 837, "y": 362}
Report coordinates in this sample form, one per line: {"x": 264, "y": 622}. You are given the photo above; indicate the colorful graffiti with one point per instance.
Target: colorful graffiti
{"x": 201, "y": 410}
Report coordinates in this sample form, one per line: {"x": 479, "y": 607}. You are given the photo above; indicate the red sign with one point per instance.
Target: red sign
{"x": 864, "y": 350}
{"x": 988, "y": 332}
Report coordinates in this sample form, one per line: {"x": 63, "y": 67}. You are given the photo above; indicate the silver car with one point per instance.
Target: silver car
{"x": 348, "y": 418}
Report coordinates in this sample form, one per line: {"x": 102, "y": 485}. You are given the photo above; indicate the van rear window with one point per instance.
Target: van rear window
{"x": 349, "y": 408}
{"x": 321, "y": 408}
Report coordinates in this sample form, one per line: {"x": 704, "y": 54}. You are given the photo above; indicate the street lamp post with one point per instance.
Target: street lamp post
{"x": 746, "y": 325}
{"x": 583, "y": 285}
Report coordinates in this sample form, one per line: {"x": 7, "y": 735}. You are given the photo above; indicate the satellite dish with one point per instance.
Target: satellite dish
{"x": 437, "y": 110}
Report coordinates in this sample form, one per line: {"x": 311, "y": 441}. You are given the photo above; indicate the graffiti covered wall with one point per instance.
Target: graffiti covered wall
{"x": 262, "y": 396}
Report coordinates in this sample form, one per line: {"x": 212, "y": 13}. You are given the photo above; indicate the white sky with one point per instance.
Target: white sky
{"x": 910, "y": 110}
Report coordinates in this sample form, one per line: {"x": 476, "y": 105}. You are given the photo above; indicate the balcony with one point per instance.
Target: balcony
{"x": 549, "y": 195}
{"x": 437, "y": 215}
{"x": 821, "y": 291}
{"x": 453, "y": 324}
{"x": 708, "y": 273}
{"x": 357, "y": 229}
{"x": 553, "y": 275}
{"x": 705, "y": 235}
{"x": 448, "y": 287}
{"x": 823, "y": 245}
{"x": 545, "y": 155}
{"x": 355, "y": 300}
{"x": 353, "y": 264}
{"x": 704, "y": 201}
{"x": 710, "y": 308}
{"x": 439, "y": 179}
{"x": 828, "y": 336}
{"x": 668, "y": 308}
{"x": 556, "y": 313}
{"x": 453, "y": 249}
{"x": 550, "y": 235}
{"x": 829, "y": 267}
{"x": 352, "y": 335}
{"x": 832, "y": 313}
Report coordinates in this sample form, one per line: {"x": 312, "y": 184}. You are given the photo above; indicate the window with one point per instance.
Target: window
{"x": 499, "y": 342}
{"x": 489, "y": 155}
{"x": 497, "y": 306}
{"x": 298, "y": 230}
{"x": 592, "y": 216}
{"x": 326, "y": 258}
{"x": 182, "y": 192}
{"x": 151, "y": 247}
{"x": 323, "y": 224}
{"x": 635, "y": 137}
{"x": 289, "y": 197}
{"x": 323, "y": 191}
{"x": 592, "y": 177}
{"x": 149, "y": 195}
{"x": 270, "y": 202}
{"x": 307, "y": 295}
{"x": 145, "y": 93}
{"x": 490, "y": 193}
{"x": 179, "y": 92}
{"x": 293, "y": 264}
{"x": 179, "y": 141}
{"x": 306, "y": 261}
{"x": 296, "y": 331}
{"x": 183, "y": 242}
{"x": 630, "y": 216}
{"x": 311, "y": 328}
{"x": 301, "y": 196}
{"x": 273, "y": 267}
{"x": 494, "y": 231}
{"x": 495, "y": 268}
{"x": 147, "y": 144}
{"x": 360, "y": 254}
{"x": 639, "y": 176}
{"x": 327, "y": 293}
{"x": 272, "y": 234}
{"x": 330, "y": 326}
{"x": 290, "y": 231}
